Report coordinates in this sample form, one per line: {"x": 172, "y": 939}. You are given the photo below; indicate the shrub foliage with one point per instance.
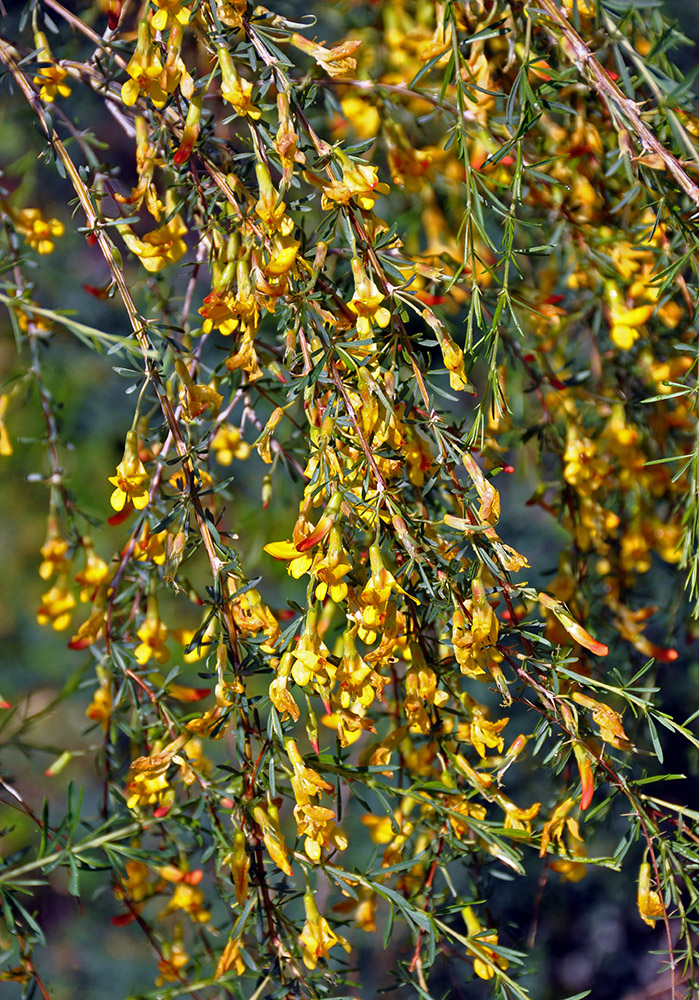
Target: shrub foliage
{"x": 366, "y": 268}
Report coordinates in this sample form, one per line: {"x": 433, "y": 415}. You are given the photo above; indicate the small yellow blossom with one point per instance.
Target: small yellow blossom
{"x": 268, "y": 821}
{"x": 56, "y": 606}
{"x": 231, "y": 958}
{"x": 53, "y": 552}
{"x": 279, "y": 693}
{"x": 160, "y": 246}
{"x": 50, "y": 77}
{"x": 227, "y": 444}
{"x": 625, "y": 322}
{"x": 169, "y": 11}
{"x": 650, "y": 904}
{"x": 174, "y": 959}
{"x": 39, "y": 232}
{"x": 94, "y": 573}
{"x": 359, "y": 181}
{"x": 153, "y": 634}
{"x": 5, "y": 443}
{"x": 195, "y": 399}
{"x": 186, "y": 896}
{"x": 144, "y": 69}
{"x": 131, "y": 478}
{"x": 337, "y": 61}
{"x": 100, "y": 708}
{"x": 366, "y": 301}
{"x": 239, "y": 861}
{"x": 234, "y": 89}
{"x": 485, "y": 960}
{"x": 317, "y": 937}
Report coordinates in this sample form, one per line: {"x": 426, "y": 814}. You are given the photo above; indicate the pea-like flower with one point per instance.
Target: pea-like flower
{"x": 131, "y": 478}
{"x": 50, "y": 77}
{"x": 317, "y": 937}
{"x": 366, "y": 301}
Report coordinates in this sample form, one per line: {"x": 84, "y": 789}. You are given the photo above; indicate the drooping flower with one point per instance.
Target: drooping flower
{"x": 153, "y": 634}
{"x": 337, "y": 61}
{"x": 366, "y": 301}
{"x": 39, "y": 232}
{"x": 268, "y": 821}
{"x": 227, "y": 444}
{"x": 195, "y": 399}
{"x": 51, "y": 77}
{"x": 131, "y": 477}
{"x": 159, "y": 247}
{"x": 650, "y": 903}
{"x": 186, "y": 896}
{"x": 5, "y": 443}
{"x": 485, "y": 959}
{"x": 144, "y": 69}
{"x": 234, "y": 89}
{"x": 169, "y": 11}
{"x": 100, "y": 708}
{"x": 56, "y": 606}
{"x": 54, "y": 552}
{"x": 239, "y": 862}
{"x": 94, "y": 573}
{"x": 317, "y": 937}
{"x": 359, "y": 181}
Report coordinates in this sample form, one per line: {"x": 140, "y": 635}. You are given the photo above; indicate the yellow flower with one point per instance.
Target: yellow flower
{"x": 144, "y": 68}
{"x": 90, "y": 630}
{"x": 153, "y": 634}
{"x": 234, "y": 89}
{"x": 317, "y": 938}
{"x": 380, "y": 586}
{"x": 50, "y": 76}
{"x": 625, "y": 322}
{"x": 56, "y": 606}
{"x": 169, "y": 11}
{"x": 37, "y": 231}
{"x": 147, "y": 782}
{"x": 239, "y": 861}
{"x": 305, "y": 782}
{"x": 147, "y": 789}
{"x": 337, "y": 61}
{"x": 137, "y": 885}
{"x": 484, "y": 733}
{"x": 268, "y": 821}
{"x": 186, "y": 896}
{"x": 227, "y": 444}
{"x": 359, "y": 181}
{"x": 130, "y": 479}
{"x": 227, "y": 310}
{"x": 611, "y": 729}
{"x": 5, "y": 443}
{"x": 100, "y": 708}
{"x": 158, "y": 247}
{"x": 174, "y": 960}
{"x": 298, "y": 562}
{"x": 93, "y": 575}
{"x": 195, "y": 399}
{"x": 230, "y": 958}
{"x": 366, "y": 301}
{"x": 554, "y": 828}
{"x": 331, "y": 569}
{"x": 484, "y": 958}
{"x": 362, "y": 115}
{"x": 279, "y": 693}
{"x": 53, "y": 552}
{"x": 650, "y": 904}
{"x": 270, "y": 208}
